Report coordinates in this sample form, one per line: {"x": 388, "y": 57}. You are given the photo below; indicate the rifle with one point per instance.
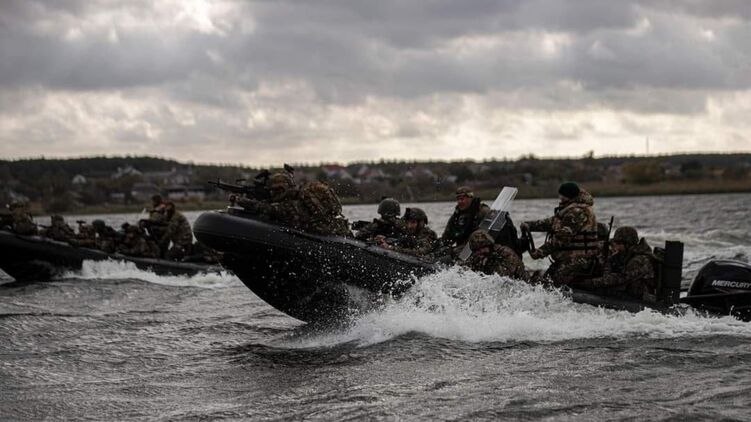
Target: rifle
{"x": 257, "y": 190}
{"x": 359, "y": 225}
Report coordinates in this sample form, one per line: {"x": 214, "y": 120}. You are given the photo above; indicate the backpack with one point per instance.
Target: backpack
{"x": 320, "y": 199}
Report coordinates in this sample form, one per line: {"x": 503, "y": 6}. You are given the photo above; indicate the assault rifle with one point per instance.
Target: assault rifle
{"x": 257, "y": 190}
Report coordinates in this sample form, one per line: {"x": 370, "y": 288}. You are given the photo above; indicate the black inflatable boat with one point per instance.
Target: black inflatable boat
{"x": 322, "y": 279}
{"x": 35, "y": 258}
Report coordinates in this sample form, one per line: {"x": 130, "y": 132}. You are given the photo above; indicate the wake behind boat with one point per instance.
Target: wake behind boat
{"x": 322, "y": 279}
{"x": 37, "y": 258}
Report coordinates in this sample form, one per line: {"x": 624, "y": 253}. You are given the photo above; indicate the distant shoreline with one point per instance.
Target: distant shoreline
{"x": 598, "y": 190}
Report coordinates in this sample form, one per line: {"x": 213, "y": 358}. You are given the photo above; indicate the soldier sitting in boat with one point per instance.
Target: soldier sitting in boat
{"x": 135, "y": 243}
{"x": 156, "y": 224}
{"x": 630, "y": 269}
{"x": 59, "y": 230}
{"x": 467, "y": 216}
{"x": 572, "y": 240}
{"x": 314, "y": 208}
{"x": 389, "y": 225}
{"x": 419, "y": 239}
{"x": 86, "y": 236}
{"x": 490, "y": 258}
{"x": 177, "y": 232}
{"x": 21, "y": 221}
{"x": 107, "y": 238}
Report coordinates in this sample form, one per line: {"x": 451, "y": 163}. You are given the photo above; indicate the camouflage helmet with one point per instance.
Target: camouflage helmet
{"x": 98, "y": 224}
{"x": 479, "y": 239}
{"x": 389, "y": 207}
{"x": 280, "y": 180}
{"x": 415, "y": 214}
{"x": 464, "y": 191}
{"x": 626, "y": 235}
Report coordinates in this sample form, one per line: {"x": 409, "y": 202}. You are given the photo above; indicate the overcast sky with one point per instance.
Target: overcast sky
{"x": 267, "y": 82}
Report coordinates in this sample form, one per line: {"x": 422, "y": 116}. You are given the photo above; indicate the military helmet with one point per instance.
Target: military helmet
{"x": 280, "y": 180}
{"x": 479, "y": 239}
{"x": 415, "y": 214}
{"x": 626, "y": 235}
{"x": 98, "y": 224}
{"x": 464, "y": 191}
{"x": 389, "y": 207}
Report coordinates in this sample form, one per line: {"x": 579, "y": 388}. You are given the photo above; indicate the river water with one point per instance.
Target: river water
{"x": 114, "y": 343}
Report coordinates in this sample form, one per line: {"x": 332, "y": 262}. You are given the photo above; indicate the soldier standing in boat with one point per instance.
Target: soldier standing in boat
{"x": 418, "y": 240}
{"x": 467, "y": 216}
{"x": 572, "y": 241}
{"x": 177, "y": 232}
{"x": 389, "y": 225}
{"x": 490, "y": 258}
{"x": 630, "y": 269}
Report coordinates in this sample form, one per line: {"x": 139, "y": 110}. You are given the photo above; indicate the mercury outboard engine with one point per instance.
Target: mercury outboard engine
{"x": 723, "y": 287}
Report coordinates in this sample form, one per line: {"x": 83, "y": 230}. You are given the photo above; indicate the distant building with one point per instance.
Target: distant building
{"x": 126, "y": 171}
{"x": 184, "y": 193}
{"x": 176, "y": 176}
{"x": 79, "y": 179}
{"x": 143, "y": 191}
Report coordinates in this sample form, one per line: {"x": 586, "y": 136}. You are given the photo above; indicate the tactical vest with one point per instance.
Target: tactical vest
{"x": 320, "y": 199}
{"x": 463, "y": 223}
{"x": 586, "y": 239}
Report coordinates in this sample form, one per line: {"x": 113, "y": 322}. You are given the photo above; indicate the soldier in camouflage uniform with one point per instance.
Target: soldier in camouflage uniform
{"x": 490, "y": 258}
{"x": 419, "y": 239}
{"x": 59, "y": 230}
{"x": 177, "y": 232}
{"x": 107, "y": 238}
{"x": 86, "y": 237}
{"x": 156, "y": 224}
{"x": 572, "y": 240}
{"x": 629, "y": 270}
{"x": 313, "y": 209}
{"x": 467, "y": 216}
{"x": 136, "y": 244}
{"x": 22, "y": 223}
{"x": 389, "y": 225}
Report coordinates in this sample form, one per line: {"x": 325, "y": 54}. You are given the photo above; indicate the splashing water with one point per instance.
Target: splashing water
{"x": 111, "y": 269}
{"x": 466, "y": 306}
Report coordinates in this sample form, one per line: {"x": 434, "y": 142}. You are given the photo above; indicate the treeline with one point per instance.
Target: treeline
{"x": 60, "y": 185}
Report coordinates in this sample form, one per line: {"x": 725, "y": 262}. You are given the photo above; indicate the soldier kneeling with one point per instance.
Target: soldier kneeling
{"x": 630, "y": 269}
{"x": 490, "y": 258}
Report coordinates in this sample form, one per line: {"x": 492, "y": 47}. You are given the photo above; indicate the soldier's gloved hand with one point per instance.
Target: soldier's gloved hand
{"x": 536, "y": 254}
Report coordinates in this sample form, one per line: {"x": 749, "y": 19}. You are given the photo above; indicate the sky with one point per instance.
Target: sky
{"x": 266, "y": 82}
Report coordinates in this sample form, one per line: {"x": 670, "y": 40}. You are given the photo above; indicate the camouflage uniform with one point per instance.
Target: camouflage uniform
{"x": 572, "y": 241}
{"x": 462, "y": 223}
{"x": 389, "y": 227}
{"x": 135, "y": 244}
{"x": 179, "y": 233}
{"x": 313, "y": 209}
{"x": 58, "y": 230}
{"x": 418, "y": 239}
{"x": 106, "y": 236}
{"x": 22, "y": 223}
{"x": 631, "y": 272}
{"x": 86, "y": 237}
{"x": 490, "y": 258}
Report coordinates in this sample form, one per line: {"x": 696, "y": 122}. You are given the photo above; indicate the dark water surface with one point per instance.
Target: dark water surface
{"x": 114, "y": 343}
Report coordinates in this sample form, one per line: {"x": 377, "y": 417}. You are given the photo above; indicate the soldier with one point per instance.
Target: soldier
{"x": 156, "y": 224}
{"x": 22, "y": 222}
{"x": 572, "y": 240}
{"x": 86, "y": 237}
{"x": 419, "y": 239}
{"x": 389, "y": 225}
{"x": 59, "y": 230}
{"x": 630, "y": 269}
{"x": 314, "y": 209}
{"x": 490, "y": 258}
{"x": 467, "y": 216}
{"x": 136, "y": 244}
{"x": 106, "y": 237}
{"x": 178, "y": 232}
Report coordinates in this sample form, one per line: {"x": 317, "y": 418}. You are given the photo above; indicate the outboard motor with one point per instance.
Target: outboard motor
{"x": 723, "y": 287}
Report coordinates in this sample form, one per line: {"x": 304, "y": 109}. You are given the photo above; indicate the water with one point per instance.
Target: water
{"x": 114, "y": 343}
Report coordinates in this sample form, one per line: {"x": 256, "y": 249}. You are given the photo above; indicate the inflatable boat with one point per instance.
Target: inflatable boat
{"x": 322, "y": 279}
{"x": 36, "y": 258}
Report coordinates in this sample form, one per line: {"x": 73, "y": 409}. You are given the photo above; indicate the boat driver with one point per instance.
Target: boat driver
{"x": 630, "y": 269}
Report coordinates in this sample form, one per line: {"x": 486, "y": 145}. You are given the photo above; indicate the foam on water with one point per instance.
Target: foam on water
{"x": 123, "y": 270}
{"x": 465, "y": 306}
